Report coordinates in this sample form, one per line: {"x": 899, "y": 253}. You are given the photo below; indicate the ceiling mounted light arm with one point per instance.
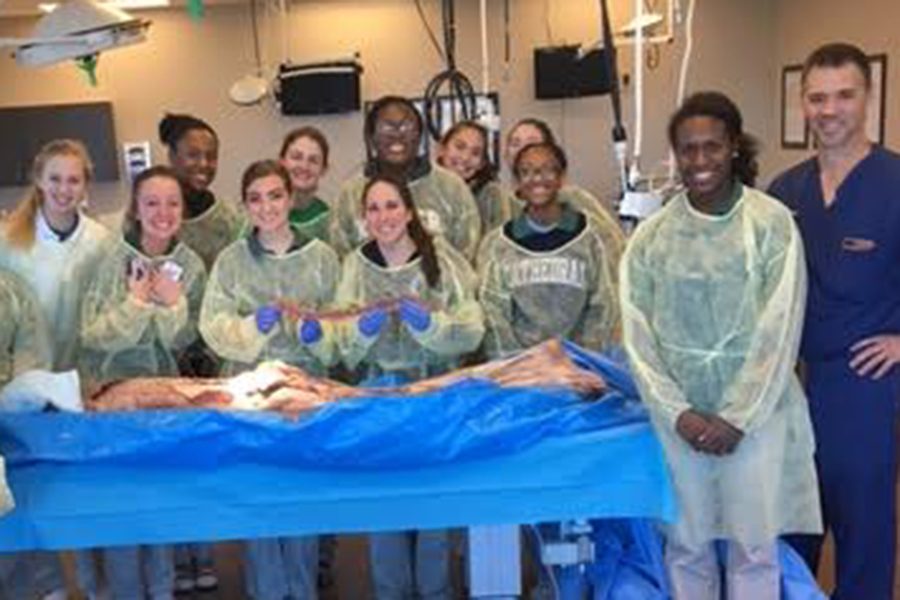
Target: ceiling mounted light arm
{"x": 77, "y": 29}
{"x": 648, "y": 23}
{"x": 49, "y": 7}
{"x": 619, "y": 135}
{"x": 22, "y": 42}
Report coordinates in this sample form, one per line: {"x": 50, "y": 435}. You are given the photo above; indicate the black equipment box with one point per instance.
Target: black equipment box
{"x": 567, "y": 72}
{"x": 320, "y": 88}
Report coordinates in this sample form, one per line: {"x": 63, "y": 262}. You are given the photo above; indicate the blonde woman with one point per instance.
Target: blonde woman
{"x": 53, "y": 246}
{"x": 50, "y": 243}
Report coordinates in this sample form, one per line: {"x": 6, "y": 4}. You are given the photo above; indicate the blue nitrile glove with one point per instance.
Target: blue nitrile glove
{"x": 414, "y": 314}
{"x": 310, "y": 331}
{"x": 371, "y": 321}
{"x": 267, "y": 317}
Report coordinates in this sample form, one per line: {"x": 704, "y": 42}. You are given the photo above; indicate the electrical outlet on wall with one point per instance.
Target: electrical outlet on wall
{"x": 136, "y": 157}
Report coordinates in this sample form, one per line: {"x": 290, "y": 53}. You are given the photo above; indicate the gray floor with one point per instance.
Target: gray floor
{"x": 352, "y": 573}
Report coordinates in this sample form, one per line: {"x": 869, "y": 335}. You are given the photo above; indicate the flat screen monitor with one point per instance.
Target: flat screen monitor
{"x": 27, "y": 128}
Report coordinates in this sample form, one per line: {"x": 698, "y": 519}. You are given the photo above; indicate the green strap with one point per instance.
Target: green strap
{"x": 195, "y": 9}
{"x": 88, "y": 64}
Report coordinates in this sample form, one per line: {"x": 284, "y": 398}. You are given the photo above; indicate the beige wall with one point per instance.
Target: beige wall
{"x": 188, "y": 66}
{"x": 802, "y": 25}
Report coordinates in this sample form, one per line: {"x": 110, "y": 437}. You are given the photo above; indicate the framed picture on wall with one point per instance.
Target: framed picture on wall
{"x": 877, "y": 98}
{"x": 794, "y": 132}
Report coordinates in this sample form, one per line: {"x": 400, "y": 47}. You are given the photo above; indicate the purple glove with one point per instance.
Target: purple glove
{"x": 267, "y": 317}
{"x": 371, "y": 321}
{"x": 414, "y": 314}
{"x": 310, "y": 331}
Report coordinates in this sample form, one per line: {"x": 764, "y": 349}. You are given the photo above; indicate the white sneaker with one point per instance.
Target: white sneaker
{"x": 184, "y": 579}
{"x": 206, "y": 579}
{"x": 59, "y": 594}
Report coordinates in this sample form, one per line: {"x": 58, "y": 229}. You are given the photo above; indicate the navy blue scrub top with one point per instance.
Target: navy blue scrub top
{"x": 852, "y": 252}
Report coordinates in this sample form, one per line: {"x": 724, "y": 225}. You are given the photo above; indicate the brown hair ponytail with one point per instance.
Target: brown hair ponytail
{"x": 421, "y": 238}
{"x": 18, "y": 226}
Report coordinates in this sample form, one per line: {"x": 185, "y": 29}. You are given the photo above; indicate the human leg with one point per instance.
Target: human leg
{"x": 301, "y": 564}
{"x": 693, "y": 571}
{"x": 752, "y": 571}
{"x": 264, "y": 569}
{"x": 390, "y": 557}
{"x": 856, "y": 447}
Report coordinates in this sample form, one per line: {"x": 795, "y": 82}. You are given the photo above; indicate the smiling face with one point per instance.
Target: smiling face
{"x": 196, "y": 158}
{"x": 396, "y": 136}
{"x": 386, "y": 215}
{"x": 522, "y": 135}
{"x": 268, "y": 203}
{"x": 63, "y": 184}
{"x": 834, "y": 103}
{"x": 464, "y": 152}
{"x": 305, "y": 162}
{"x": 704, "y": 151}
{"x": 160, "y": 208}
{"x": 539, "y": 175}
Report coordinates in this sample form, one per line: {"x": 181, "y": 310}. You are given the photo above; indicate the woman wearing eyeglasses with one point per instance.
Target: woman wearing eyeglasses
{"x": 393, "y": 133}
{"x": 548, "y": 272}
{"x": 532, "y": 131}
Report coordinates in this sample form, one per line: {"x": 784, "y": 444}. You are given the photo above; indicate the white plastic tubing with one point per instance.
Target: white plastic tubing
{"x": 485, "y": 64}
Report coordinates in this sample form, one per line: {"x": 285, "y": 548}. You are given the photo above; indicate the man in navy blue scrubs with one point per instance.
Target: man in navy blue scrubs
{"x": 846, "y": 201}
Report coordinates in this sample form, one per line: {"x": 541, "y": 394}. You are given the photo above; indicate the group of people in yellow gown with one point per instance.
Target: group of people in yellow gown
{"x": 441, "y": 264}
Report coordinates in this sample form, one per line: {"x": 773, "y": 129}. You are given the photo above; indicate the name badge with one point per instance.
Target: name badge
{"x": 854, "y": 244}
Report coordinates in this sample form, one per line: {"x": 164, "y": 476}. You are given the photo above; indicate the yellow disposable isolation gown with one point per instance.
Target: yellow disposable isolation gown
{"x": 23, "y": 333}
{"x": 124, "y": 337}
{"x": 495, "y": 206}
{"x": 532, "y": 296}
{"x": 712, "y": 311}
{"x": 456, "y": 318}
{"x": 209, "y": 233}
{"x": 245, "y": 278}
{"x": 58, "y": 272}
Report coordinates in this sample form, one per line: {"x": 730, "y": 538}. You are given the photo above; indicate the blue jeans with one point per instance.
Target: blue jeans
{"x": 30, "y": 574}
{"x": 410, "y": 564}
{"x": 139, "y": 572}
{"x": 278, "y": 568}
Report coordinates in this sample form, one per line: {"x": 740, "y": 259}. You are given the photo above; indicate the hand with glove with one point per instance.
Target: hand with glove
{"x": 415, "y": 314}
{"x": 267, "y": 317}
{"x": 310, "y": 331}
{"x": 371, "y": 321}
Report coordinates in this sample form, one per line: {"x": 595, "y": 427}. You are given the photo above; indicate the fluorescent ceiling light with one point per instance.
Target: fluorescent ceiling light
{"x": 123, "y": 4}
